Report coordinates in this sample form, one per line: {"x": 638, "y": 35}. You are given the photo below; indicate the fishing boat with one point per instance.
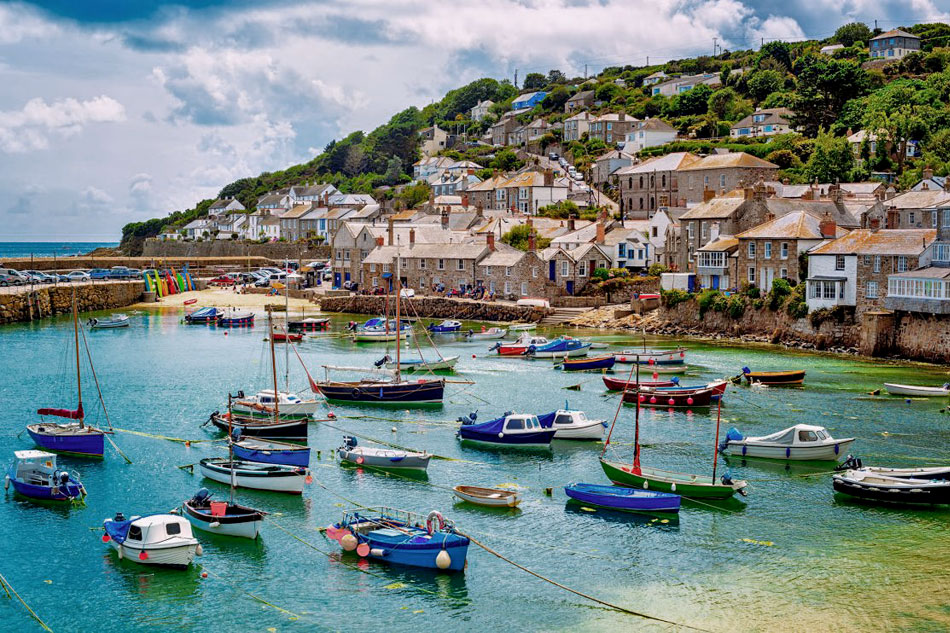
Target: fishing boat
{"x": 156, "y": 539}
{"x": 309, "y": 324}
{"x": 203, "y": 315}
{"x": 794, "y": 377}
{"x": 802, "y": 442}
{"x": 236, "y": 318}
{"x": 563, "y": 347}
{"x": 621, "y": 384}
{"x": 383, "y": 458}
{"x": 222, "y": 517}
{"x": 488, "y": 497}
{"x": 597, "y": 363}
{"x": 491, "y": 334}
{"x": 518, "y": 430}
{"x": 402, "y": 538}
{"x": 74, "y": 438}
{"x": 445, "y": 363}
{"x": 283, "y": 337}
{"x": 262, "y": 427}
{"x": 274, "y": 477}
{"x": 575, "y": 425}
{"x": 623, "y": 498}
{"x": 448, "y": 326}
{"x": 918, "y": 391}
{"x": 675, "y": 356}
{"x": 261, "y": 404}
{"x": 522, "y": 327}
{"x": 114, "y": 321}
{"x": 34, "y": 474}
{"x": 670, "y": 397}
{"x": 252, "y": 449}
{"x": 870, "y": 486}
{"x": 519, "y": 346}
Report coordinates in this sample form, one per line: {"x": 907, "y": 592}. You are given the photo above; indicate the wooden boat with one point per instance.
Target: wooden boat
{"x": 918, "y": 391}
{"x": 718, "y": 388}
{"x": 252, "y": 449}
{"x": 621, "y": 384}
{"x": 449, "y": 326}
{"x": 204, "y": 315}
{"x": 383, "y": 458}
{"x": 114, "y": 321}
{"x": 871, "y": 486}
{"x": 264, "y": 428}
{"x": 236, "y": 318}
{"x": 222, "y": 517}
{"x": 380, "y": 336}
{"x": 399, "y": 538}
{"x": 488, "y": 497}
{"x": 446, "y": 363}
{"x": 670, "y": 397}
{"x": 802, "y": 442}
{"x": 522, "y": 327}
{"x": 587, "y": 364}
{"x": 310, "y": 324}
{"x": 491, "y": 334}
{"x": 274, "y": 477}
{"x": 519, "y": 346}
{"x": 34, "y": 474}
{"x": 690, "y": 486}
{"x": 190, "y": 302}
{"x": 623, "y": 498}
{"x": 158, "y": 539}
{"x": 938, "y": 472}
{"x": 517, "y": 430}
{"x": 795, "y": 377}
{"x": 575, "y": 425}
{"x": 563, "y": 347}
{"x": 283, "y": 337}
{"x": 261, "y": 405}
{"x": 675, "y": 356}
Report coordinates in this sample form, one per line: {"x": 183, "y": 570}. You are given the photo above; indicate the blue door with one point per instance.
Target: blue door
{"x": 570, "y": 288}
{"x": 346, "y": 277}
{"x": 336, "y": 279}
{"x": 551, "y": 271}
{"x": 715, "y": 281}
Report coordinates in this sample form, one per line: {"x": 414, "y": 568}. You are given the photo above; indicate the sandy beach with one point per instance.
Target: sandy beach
{"x": 228, "y": 298}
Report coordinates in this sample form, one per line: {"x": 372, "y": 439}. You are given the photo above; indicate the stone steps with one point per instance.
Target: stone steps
{"x": 563, "y": 315}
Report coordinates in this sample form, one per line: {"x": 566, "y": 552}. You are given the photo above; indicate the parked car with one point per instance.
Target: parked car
{"x": 222, "y": 280}
{"x": 316, "y": 265}
{"x": 78, "y": 275}
{"x": 38, "y": 277}
{"x": 562, "y": 161}
{"x": 327, "y": 275}
{"x": 100, "y": 273}
{"x": 10, "y": 277}
{"x": 553, "y": 156}
{"x": 120, "y": 272}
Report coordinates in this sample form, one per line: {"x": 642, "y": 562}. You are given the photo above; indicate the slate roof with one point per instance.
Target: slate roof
{"x": 669, "y": 162}
{"x": 881, "y": 242}
{"x": 798, "y": 225}
{"x": 732, "y": 159}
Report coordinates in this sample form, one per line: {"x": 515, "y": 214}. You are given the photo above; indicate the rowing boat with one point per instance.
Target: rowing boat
{"x": 917, "y": 390}
{"x": 488, "y": 497}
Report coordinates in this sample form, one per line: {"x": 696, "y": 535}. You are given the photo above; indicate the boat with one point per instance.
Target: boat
{"x": 274, "y": 477}
{"x": 491, "y": 334}
{"x": 533, "y": 302}
{"x": 253, "y": 449}
{"x": 918, "y": 391}
{"x": 379, "y": 329}
{"x": 794, "y": 377}
{"x": 222, "y": 517}
{"x": 488, "y": 497}
{"x": 204, "y": 315}
{"x": 563, "y": 347}
{"x": 156, "y": 539}
{"x": 380, "y": 336}
{"x": 114, "y": 321}
{"x": 574, "y": 425}
{"x": 262, "y": 427}
{"x": 522, "y": 327}
{"x": 448, "y": 326}
{"x": 623, "y": 499}
{"x": 261, "y": 404}
{"x": 718, "y": 388}
{"x": 871, "y": 486}
{"x": 802, "y": 442}
{"x": 622, "y": 384}
{"x": 189, "y": 302}
{"x": 236, "y": 318}
{"x": 597, "y": 363}
{"x": 283, "y": 337}
{"x": 518, "y": 347}
{"x": 519, "y": 430}
{"x": 309, "y": 324}
{"x": 658, "y": 356}
{"x": 446, "y": 363}
{"x": 402, "y": 538}
{"x": 670, "y": 396}
{"x": 383, "y": 458}
{"x": 34, "y": 474}
{"x": 73, "y": 438}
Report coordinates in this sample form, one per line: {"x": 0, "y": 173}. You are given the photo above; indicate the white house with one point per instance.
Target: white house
{"x": 629, "y": 245}
{"x": 577, "y": 126}
{"x": 480, "y": 111}
{"x": 649, "y": 133}
{"x": 763, "y": 122}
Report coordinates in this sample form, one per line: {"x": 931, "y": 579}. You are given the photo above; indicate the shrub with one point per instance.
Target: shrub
{"x": 758, "y": 303}
{"x": 819, "y": 316}
{"x": 797, "y": 307}
{"x": 673, "y": 297}
{"x": 736, "y": 306}
{"x": 600, "y": 274}
{"x": 657, "y": 269}
{"x": 780, "y": 290}
{"x": 752, "y": 292}
{"x": 706, "y": 300}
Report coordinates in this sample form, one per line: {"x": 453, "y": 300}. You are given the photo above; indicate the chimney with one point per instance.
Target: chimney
{"x": 708, "y": 194}
{"x": 928, "y": 173}
{"x": 875, "y": 224}
{"x": 490, "y": 240}
{"x": 827, "y": 227}
{"x": 769, "y": 216}
{"x": 622, "y": 117}
{"x": 748, "y": 193}
{"x": 601, "y": 234}
{"x": 379, "y": 241}
{"x": 759, "y": 191}
{"x": 479, "y": 211}
{"x": 412, "y": 237}
{"x": 326, "y": 198}
{"x": 445, "y": 218}
{"x": 548, "y": 178}
{"x": 946, "y": 182}
{"x": 893, "y": 218}
{"x": 389, "y": 230}
{"x": 465, "y": 200}
{"x": 925, "y": 186}
{"x": 532, "y": 244}
{"x": 570, "y": 224}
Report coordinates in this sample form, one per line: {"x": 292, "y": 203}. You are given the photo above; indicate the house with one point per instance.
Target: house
{"x": 577, "y": 126}
{"x": 508, "y": 272}
{"x": 893, "y": 45}
{"x": 611, "y": 128}
{"x": 609, "y": 163}
{"x": 926, "y": 288}
{"x": 170, "y": 234}
{"x": 854, "y": 270}
{"x": 655, "y": 78}
{"x": 312, "y": 192}
{"x": 222, "y": 206}
{"x": 571, "y": 270}
{"x": 580, "y": 101}
{"x": 856, "y": 141}
{"x": 482, "y": 194}
{"x": 721, "y": 173}
{"x": 275, "y": 203}
{"x": 202, "y": 227}
{"x": 528, "y": 100}
{"x": 763, "y": 122}
{"x": 629, "y": 245}
{"x": 536, "y": 129}
{"x": 664, "y": 237}
{"x": 434, "y": 139}
{"x": 426, "y": 265}
{"x": 269, "y": 227}
{"x": 830, "y": 49}
{"x": 717, "y": 264}
{"x": 909, "y": 210}
{"x": 290, "y": 221}
{"x": 449, "y": 184}
{"x": 501, "y": 130}
{"x": 350, "y": 200}
{"x": 930, "y": 182}
{"x": 648, "y": 133}
{"x": 679, "y": 85}
{"x": 529, "y": 191}
{"x": 424, "y": 168}
{"x": 480, "y": 110}
{"x": 313, "y": 224}
{"x": 652, "y": 184}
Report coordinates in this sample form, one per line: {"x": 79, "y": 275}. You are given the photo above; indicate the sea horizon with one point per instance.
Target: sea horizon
{"x": 39, "y": 248}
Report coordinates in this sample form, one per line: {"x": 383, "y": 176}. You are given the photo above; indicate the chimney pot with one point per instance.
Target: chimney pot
{"x": 389, "y": 231}
{"x": 412, "y": 237}
{"x": 490, "y": 240}
{"x": 379, "y": 241}
{"x": 928, "y": 173}
{"x": 601, "y": 232}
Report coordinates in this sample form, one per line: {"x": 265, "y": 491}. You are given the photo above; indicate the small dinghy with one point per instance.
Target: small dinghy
{"x": 446, "y": 363}
{"x": 918, "y": 391}
{"x": 203, "y": 315}
{"x": 802, "y": 442}
{"x": 309, "y": 325}
{"x": 491, "y": 334}
{"x": 522, "y": 327}
{"x": 488, "y": 497}
{"x": 446, "y": 327}
{"x": 652, "y": 356}
{"x": 382, "y": 458}
{"x": 252, "y": 449}
{"x": 402, "y": 538}
{"x": 236, "y": 318}
{"x": 514, "y": 430}
{"x": 222, "y": 517}
{"x": 157, "y": 539}
{"x": 274, "y": 477}
{"x": 261, "y": 405}
{"x": 284, "y": 337}
{"x": 794, "y": 377}
{"x": 870, "y": 486}
{"x": 574, "y": 425}
{"x": 113, "y": 321}
{"x": 189, "y": 302}
{"x": 623, "y": 499}
{"x": 34, "y": 474}
{"x": 927, "y": 472}
{"x": 587, "y": 364}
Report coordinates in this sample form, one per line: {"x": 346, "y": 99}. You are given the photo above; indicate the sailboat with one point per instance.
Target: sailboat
{"x": 382, "y": 391}
{"x": 636, "y": 475}
{"x": 74, "y": 438}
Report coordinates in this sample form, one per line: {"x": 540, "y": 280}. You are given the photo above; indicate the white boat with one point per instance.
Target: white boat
{"x": 256, "y": 475}
{"x": 574, "y": 425}
{"x": 158, "y": 539}
{"x": 262, "y": 404}
{"x": 421, "y": 364}
{"x": 489, "y": 497}
{"x": 114, "y": 321}
{"x": 222, "y": 517}
{"x": 802, "y": 442}
{"x": 383, "y": 458}
{"x": 491, "y": 334}
{"x": 533, "y": 302}
{"x": 380, "y": 336}
{"x": 934, "y": 472}
{"x": 916, "y": 390}
{"x": 522, "y": 327}
{"x": 658, "y": 356}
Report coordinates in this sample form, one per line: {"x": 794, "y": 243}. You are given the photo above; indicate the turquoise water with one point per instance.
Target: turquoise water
{"x": 49, "y": 249}
{"x": 791, "y": 556}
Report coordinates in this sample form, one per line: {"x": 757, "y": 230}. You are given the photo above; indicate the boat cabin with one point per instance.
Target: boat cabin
{"x": 798, "y": 435}
{"x": 267, "y": 397}
{"x": 565, "y": 418}
{"x": 35, "y": 467}
{"x": 159, "y": 528}
{"x": 522, "y": 423}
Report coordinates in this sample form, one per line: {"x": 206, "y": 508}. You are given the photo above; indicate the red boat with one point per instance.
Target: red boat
{"x": 280, "y": 337}
{"x": 190, "y": 302}
{"x": 693, "y": 397}
{"x": 519, "y": 347}
{"x": 619, "y": 384}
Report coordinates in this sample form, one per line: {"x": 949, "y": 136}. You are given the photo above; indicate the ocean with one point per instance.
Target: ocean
{"x": 49, "y": 249}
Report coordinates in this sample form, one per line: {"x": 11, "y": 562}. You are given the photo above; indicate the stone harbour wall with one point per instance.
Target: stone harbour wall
{"x": 20, "y": 304}
{"x": 436, "y": 307}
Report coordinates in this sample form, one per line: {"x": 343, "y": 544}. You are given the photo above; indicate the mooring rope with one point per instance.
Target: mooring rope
{"x": 293, "y": 616}
{"x": 8, "y": 588}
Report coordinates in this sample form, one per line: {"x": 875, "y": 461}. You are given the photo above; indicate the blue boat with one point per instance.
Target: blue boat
{"x": 446, "y": 327}
{"x": 252, "y": 449}
{"x": 520, "y": 430}
{"x": 564, "y": 347}
{"x": 34, "y": 474}
{"x": 587, "y": 364}
{"x": 402, "y": 538}
{"x": 236, "y": 318}
{"x": 203, "y": 315}
{"x": 624, "y": 499}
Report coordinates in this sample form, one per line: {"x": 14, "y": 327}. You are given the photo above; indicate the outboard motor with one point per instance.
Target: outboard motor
{"x": 201, "y": 496}
{"x": 119, "y": 517}
{"x": 349, "y": 442}
{"x": 675, "y": 380}
{"x": 850, "y": 463}
{"x": 236, "y": 435}
{"x": 63, "y": 478}
{"x": 382, "y": 361}
{"x": 211, "y": 417}
{"x": 240, "y": 393}
{"x": 733, "y": 435}
{"x": 530, "y": 351}
{"x": 494, "y": 347}
{"x": 470, "y": 418}
{"x": 726, "y": 480}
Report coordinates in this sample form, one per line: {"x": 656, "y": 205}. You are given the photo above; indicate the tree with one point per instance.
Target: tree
{"x": 506, "y": 160}
{"x": 781, "y": 52}
{"x": 693, "y": 101}
{"x": 727, "y": 105}
{"x": 901, "y": 111}
{"x": 414, "y": 195}
{"x": 556, "y": 99}
{"x": 824, "y": 86}
{"x": 534, "y": 81}
{"x": 851, "y": 33}
{"x": 762, "y": 83}
{"x": 784, "y": 158}
{"x": 556, "y": 77}
{"x": 393, "y": 171}
{"x": 607, "y": 91}
{"x": 831, "y": 160}
{"x": 519, "y": 235}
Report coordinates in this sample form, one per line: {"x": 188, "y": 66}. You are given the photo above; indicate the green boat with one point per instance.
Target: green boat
{"x": 690, "y": 486}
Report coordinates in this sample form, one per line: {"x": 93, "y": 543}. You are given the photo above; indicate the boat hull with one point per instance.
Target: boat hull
{"x": 538, "y": 439}
{"x": 898, "y": 491}
{"x": 558, "y": 351}
{"x": 621, "y": 384}
{"x": 422, "y": 392}
{"x": 385, "y": 460}
{"x": 287, "y": 410}
{"x": 659, "y": 357}
{"x": 686, "y": 485}
{"x": 592, "y": 431}
{"x": 236, "y": 321}
{"x": 295, "y": 456}
{"x": 488, "y": 497}
{"x": 776, "y": 377}
{"x": 825, "y": 452}
{"x": 589, "y": 364}
{"x": 263, "y": 478}
{"x": 244, "y": 524}
{"x": 178, "y": 556}
{"x": 681, "y": 398}
{"x": 90, "y": 443}
{"x": 915, "y": 390}
{"x": 317, "y": 325}
{"x": 623, "y": 498}
{"x": 443, "y": 364}
{"x": 265, "y": 429}
{"x": 72, "y": 490}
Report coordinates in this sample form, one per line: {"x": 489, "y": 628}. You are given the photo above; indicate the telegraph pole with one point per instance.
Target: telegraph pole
{"x": 715, "y": 39}
{"x": 516, "y": 77}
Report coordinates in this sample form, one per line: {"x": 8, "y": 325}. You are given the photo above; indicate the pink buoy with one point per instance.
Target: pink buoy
{"x": 642, "y": 398}
{"x": 225, "y": 332}
{"x": 204, "y": 574}
{"x": 682, "y": 354}
{"x": 143, "y": 555}
{"x": 105, "y": 538}
{"x": 655, "y": 375}
{"x": 363, "y": 550}
{"x": 650, "y": 361}
{"x": 359, "y": 460}
{"x": 473, "y": 355}
{"x": 331, "y": 415}
{"x": 308, "y": 479}
{"x": 689, "y": 401}
{"x": 653, "y": 400}
{"x": 671, "y": 402}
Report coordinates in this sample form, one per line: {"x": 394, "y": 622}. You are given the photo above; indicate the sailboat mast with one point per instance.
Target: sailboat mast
{"x": 273, "y": 364}
{"x": 398, "y": 322}
{"x": 716, "y": 445}
{"x": 230, "y": 450}
{"x": 287, "y": 338}
{"x": 76, "y": 341}
{"x": 636, "y": 433}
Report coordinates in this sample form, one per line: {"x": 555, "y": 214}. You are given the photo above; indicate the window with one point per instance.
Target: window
{"x": 702, "y": 230}
{"x": 933, "y": 219}
{"x": 534, "y": 271}
{"x": 751, "y": 250}
{"x": 783, "y": 273}
{"x": 641, "y": 182}
{"x": 722, "y": 181}
{"x": 689, "y": 231}
{"x": 867, "y": 260}
{"x": 581, "y": 269}
{"x": 877, "y": 263}
{"x": 871, "y": 292}
{"x": 901, "y": 264}
{"x": 524, "y": 288}
{"x": 751, "y": 274}
{"x": 135, "y": 533}
{"x": 839, "y": 262}
{"x": 376, "y": 282}
{"x": 372, "y": 268}
{"x": 385, "y": 268}
{"x": 441, "y": 265}
{"x": 946, "y": 217}
{"x": 622, "y": 249}
{"x": 507, "y": 287}
{"x": 422, "y": 264}
{"x": 362, "y": 254}
{"x": 941, "y": 252}
{"x": 346, "y": 255}
{"x": 663, "y": 181}
{"x": 829, "y": 290}
{"x": 339, "y": 253}
{"x": 706, "y": 182}
{"x": 515, "y": 425}
{"x": 783, "y": 250}
{"x": 564, "y": 269}
{"x": 173, "y": 528}
{"x": 768, "y": 250}
{"x": 460, "y": 265}
{"x": 712, "y": 259}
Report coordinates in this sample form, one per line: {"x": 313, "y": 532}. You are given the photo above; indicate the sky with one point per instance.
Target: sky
{"x": 115, "y": 112}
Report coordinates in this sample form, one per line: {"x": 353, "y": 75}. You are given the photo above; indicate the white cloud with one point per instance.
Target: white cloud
{"x": 18, "y": 23}
{"x": 31, "y": 127}
{"x": 95, "y": 196}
